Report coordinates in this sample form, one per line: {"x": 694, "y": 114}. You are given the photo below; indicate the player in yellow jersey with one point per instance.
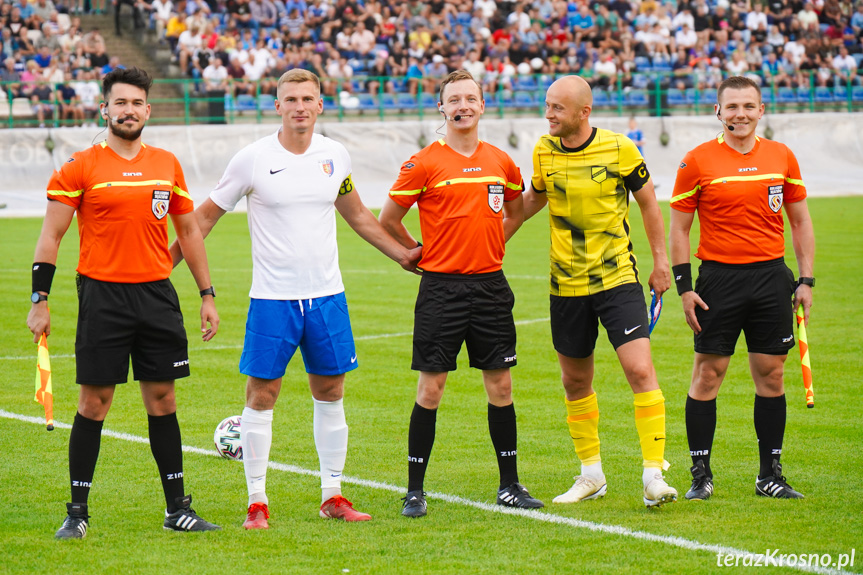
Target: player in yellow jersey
{"x": 585, "y": 175}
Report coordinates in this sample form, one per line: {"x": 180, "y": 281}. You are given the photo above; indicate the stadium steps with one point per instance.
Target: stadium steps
{"x": 139, "y": 48}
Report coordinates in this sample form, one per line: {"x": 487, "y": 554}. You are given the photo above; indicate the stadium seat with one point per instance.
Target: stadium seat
{"x": 691, "y": 96}
{"x": 388, "y": 101}
{"x": 246, "y": 103}
{"x": 266, "y": 103}
{"x": 504, "y": 99}
{"x": 642, "y": 64}
{"x": 823, "y": 94}
{"x": 767, "y": 95}
{"x": 857, "y": 93}
{"x": 840, "y": 93}
{"x": 545, "y": 81}
{"x": 5, "y": 109}
{"x": 786, "y": 96}
{"x": 428, "y": 100}
{"x": 676, "y": 97}
{"x": 330, "y": 103}
{"x": 601, "y": 98}
{"x": 707, "y": 97}
{"x": 803, "y": 95}
{"x": 524, "y": 100}
{"x": 525, "y": 83}
{"x": 406, "y": 101}
{"x": 229, "y": 103}
{"x": 21, "y": 108}
{"x": 399, "y": 84}
{"x": 637, "y": 98}
{"x": 367, "y": 102}
{"x": 662, "y": 65}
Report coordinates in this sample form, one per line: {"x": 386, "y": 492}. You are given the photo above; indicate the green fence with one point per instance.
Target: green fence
{"x": 186, "y": 101}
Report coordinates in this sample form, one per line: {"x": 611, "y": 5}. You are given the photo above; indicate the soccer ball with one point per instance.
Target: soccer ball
{"x": 227, "y": 438}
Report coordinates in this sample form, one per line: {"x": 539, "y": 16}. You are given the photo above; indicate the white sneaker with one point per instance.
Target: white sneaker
{"x": 657, "y": 492}
{"x": 584, "y": 488}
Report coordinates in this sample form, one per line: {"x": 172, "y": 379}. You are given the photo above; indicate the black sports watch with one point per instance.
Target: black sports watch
{"x": 806, "y": 282}
{"x": 209, "y": 291}
{"x": 36, "y": 297}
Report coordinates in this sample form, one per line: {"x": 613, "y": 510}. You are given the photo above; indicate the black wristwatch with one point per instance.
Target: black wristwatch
{"x": 209, "y": 291}
{"x": 36, "y": 297}
{"x": 806, "y": 282}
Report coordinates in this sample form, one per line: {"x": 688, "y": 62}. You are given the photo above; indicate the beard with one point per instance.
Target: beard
{"x": 118, "y": 131}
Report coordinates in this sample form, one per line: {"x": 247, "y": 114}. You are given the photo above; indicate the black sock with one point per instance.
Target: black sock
{"x": 700, "y": 427}
{"x": 167, "y": 448}
{"x": 504, "y": 437}
{"x": 84, "y": 443}
{"x": 420, "y": 442}
{"x": 770, "y": 428}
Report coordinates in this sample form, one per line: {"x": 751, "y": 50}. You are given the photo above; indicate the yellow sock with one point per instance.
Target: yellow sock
{"x": 582, "y": 417}
{"x": 650, "y": 423}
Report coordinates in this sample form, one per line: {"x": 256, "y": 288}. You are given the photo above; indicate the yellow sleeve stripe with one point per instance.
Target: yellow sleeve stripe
{"x": 133, "y": 184}
{"x": 74, "y": 194}
{"x": 685, "y": 195}
{"x": 181, "y": 192}
{"x": 512, "y": 186}
{"x": 795, "y": 182}
{"x": 406, "y": 192}
{"x": 748, "y": 178}
{"x": 487, "y": 179}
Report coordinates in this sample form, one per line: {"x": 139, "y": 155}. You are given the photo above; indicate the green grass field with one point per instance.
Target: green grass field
{"x": 464, "y": 532}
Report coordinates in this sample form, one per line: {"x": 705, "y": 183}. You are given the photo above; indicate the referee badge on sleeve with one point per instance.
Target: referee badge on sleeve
{"x": 495, "y": 197}
{"x": 774, "y": 198}
{"x": 160, "y": 203}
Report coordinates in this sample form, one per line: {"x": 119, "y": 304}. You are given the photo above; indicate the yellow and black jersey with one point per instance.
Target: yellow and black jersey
{"x": 588, "y": 199}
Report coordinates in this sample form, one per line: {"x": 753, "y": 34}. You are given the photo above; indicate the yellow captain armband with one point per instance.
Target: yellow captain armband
{"x": 347, "y": 186}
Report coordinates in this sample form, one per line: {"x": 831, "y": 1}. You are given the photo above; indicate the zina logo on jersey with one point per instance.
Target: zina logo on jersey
{"x": 160, "y": 203}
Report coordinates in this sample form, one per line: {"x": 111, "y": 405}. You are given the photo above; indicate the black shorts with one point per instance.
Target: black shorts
{"x": 755, "y": 298}
{"x": 116, "y": 320}
{"x": 575, "y": 320}
{"x": 452, "y": 309}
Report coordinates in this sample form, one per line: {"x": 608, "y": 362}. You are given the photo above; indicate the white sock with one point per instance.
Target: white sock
{"x": 256, "y": 434}
{"x": 594, "y": 470}
{"x": 649, "y": 474}
{"x": 331, "y": 440}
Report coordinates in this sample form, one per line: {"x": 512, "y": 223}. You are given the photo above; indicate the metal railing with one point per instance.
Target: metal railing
{"x": 398, "y": 98}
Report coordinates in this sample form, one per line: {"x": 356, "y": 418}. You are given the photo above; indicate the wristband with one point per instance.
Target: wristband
{"x": 682, "y": 277}
{"x": 43, "y": 275}
{"x": 805, "y": 281}
{"x": 209, "y": 291}
{"x": 419, "y": 245}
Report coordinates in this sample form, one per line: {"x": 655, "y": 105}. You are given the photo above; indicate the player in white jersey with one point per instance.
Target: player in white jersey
{"x": 294, "y": 180}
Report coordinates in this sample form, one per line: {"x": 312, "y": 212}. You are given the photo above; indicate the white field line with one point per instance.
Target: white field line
{"x": 543, "y": 516}
{"x": 218, "y": 347}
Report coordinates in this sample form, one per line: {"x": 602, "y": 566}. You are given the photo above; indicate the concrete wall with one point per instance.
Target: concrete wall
{"x": 829, "y": 147}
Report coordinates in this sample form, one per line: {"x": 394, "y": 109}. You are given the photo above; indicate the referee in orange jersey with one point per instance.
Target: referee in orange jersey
{"x": 739, "y": 184}
{"x": 122, "y": 191}
{"x": 469, "y": 197}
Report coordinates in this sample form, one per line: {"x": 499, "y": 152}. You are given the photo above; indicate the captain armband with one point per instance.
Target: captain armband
{"x": 43, "y": 275}
{"x": 347, "y": 186}
{"x": 682, "y": 277}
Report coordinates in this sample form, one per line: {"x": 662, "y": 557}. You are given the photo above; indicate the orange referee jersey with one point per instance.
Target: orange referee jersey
{"x": 460, "y": 200}
{"x": 121, "y": 206}
{"x": 739, "y": 199}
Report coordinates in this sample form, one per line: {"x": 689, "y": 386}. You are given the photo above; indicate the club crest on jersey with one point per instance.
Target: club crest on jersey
{"x": 598, "y": 173}
{"x": 160, "y": 203}
{"x": 327, "y": 167}
{"x": 774, "y": 198}
{"x": 495, "y": 197}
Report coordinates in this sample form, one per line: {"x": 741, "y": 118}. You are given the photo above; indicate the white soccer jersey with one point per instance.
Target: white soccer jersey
{"x": 292, "y": 218}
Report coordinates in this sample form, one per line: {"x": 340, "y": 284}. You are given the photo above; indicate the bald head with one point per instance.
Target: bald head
{"x": 567, "y": 108}
{"x": 572, "y": 90}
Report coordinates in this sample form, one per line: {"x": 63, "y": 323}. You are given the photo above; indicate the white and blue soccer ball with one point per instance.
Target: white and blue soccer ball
{"x": 227, "y": 438}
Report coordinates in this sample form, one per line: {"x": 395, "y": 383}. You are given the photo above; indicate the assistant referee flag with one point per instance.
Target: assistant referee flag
{"x": 44, "y": 391}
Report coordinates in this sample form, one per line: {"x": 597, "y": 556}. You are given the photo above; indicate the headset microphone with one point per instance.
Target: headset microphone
{"x": 455, "y": 118}
{"x": 117, "y": 119}
{"x": 730, "y": 128}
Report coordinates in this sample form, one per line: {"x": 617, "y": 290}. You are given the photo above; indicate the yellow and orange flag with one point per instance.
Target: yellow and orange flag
{"x": 44, "y": 390}
{"x": 805, "y": 366}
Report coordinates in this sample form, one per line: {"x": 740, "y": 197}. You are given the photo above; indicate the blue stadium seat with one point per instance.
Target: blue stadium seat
{"x": 691, "y": 96}
{"x": 857, "y": 93}
{"x": 399, "y": 84}
{"x": 676, "y": 97}
{"x": 786, "y": 95}
{"x": 504, "y": 99}
{"x": 428, "y": 101}
{"x": 358, "y": 84}
{"x": 367, "y": 102}
{"x": 637, "y": 98}
{"x": 388, "y": 101}
{"x": 661, "y": 65}
{"x": 229, "y": 103}
{"x": 246, "y": 103}
{"x": 526, "y": 83}
{"x": 524, "y": 100}
{"x": 330, "y": 103}
{"x": 406, "y": 101}
{"x": 803, "y": 95}
{"x": 266, "y": 103}
{"x": 767, "y": 95}
{"x": 707, "y": 97}
{"x": 840, "y": 93}
{"x": 823, "y": 94}
{"x": 545, "y": 81}
{"x": 601, "y": 98}
{"x": 642, "y": 64}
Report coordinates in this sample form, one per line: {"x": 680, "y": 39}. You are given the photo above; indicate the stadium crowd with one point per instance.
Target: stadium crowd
{"x": 375, "y": 46}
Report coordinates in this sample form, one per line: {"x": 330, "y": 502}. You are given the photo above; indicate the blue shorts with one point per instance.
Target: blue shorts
{"x": 320, "y": 327}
